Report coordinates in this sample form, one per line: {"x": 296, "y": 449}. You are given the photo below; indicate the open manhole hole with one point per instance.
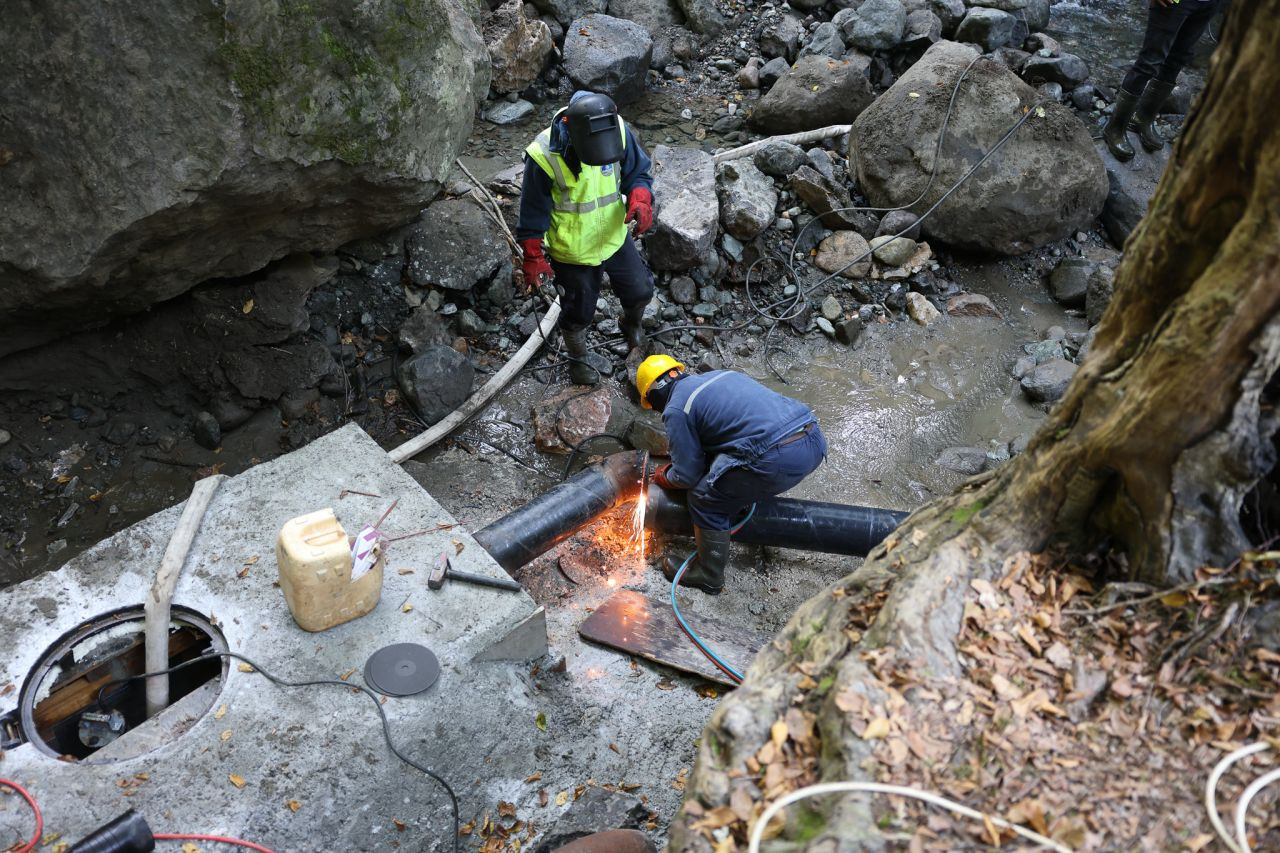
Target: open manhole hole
{"x": 74, "y": 705}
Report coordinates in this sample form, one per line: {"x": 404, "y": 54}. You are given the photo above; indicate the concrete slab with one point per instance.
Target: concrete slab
{"x": 320, "y": 748}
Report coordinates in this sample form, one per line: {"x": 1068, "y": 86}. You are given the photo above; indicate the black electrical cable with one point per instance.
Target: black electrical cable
{"x": 335, "y": 682}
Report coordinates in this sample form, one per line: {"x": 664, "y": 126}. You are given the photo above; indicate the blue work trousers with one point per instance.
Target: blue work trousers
{"x": 1169, "y": 43}
{"x": 716, "y": 505}
{"x": 628, "y": 273}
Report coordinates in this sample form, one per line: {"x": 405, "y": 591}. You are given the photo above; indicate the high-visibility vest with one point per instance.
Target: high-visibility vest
{"x": 587, "y": 214}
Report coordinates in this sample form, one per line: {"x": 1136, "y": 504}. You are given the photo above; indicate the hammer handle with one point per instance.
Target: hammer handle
{"x": 482, "y": 580}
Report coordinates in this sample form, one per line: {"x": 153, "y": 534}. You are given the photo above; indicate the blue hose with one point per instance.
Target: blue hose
{"x": 697, "y": 641}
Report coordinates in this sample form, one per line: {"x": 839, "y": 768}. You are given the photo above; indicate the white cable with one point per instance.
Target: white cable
{"x": 757, "y": 832}
{"x": 1242, "y": 807}
{"x": 1211, "y": 793}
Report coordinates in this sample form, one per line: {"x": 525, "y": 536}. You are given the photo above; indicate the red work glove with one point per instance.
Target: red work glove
{"x": 535, "y": 267}
{"x": 660, "y": 477}
{"x": 640, "y": 208}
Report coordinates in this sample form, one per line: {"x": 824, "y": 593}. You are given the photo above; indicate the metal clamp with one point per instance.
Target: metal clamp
{"x": 11, "y": 733}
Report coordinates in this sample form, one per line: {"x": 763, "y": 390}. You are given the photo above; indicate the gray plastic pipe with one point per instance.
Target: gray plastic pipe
{"x": 523, "y": 535}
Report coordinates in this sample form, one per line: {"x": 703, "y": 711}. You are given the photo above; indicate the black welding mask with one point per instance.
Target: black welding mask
{"x": 594, "y": 129}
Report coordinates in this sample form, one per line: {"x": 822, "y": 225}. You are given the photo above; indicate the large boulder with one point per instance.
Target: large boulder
{"x": 1067, "y": 70}
{"x": 1131, "y": 186}
{"x": 781, "y": 38}
{"x": 456, "y": 246}
{"x": 1045, "y": 183}
{"x": 747, "y": 198}
{"x": 688, "y": 212}
{"x": 564, "y": 11}
{"x": 703, "y": 16}
{"x": 874, "y": 25}
{"x": 653, "y": 15}
{"x": 987, "y": 28}
{"x": 608, "y": 55}
{"x": 825, "y": 41}
{"x": 208, "y": 145}
{"x": 815, "y": 92}
{"x": 518, "y": 48}
{"x": 436, "y": 381}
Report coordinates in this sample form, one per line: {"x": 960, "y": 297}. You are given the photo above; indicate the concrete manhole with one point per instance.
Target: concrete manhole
{"x": 75, "y": 705}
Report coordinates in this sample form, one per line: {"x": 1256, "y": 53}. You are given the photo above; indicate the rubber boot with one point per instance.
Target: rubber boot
{"x": 1144, "y": 117}
{"x": 575, "y": 346}
{"x": 1117, "y": 129}
{"x": 633, "y": 328}
{"x": 706, "y": 571}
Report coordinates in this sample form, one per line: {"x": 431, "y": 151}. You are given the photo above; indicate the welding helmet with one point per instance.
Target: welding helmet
{"x": 592, "y": 120}
{"x": 653, "y": 372}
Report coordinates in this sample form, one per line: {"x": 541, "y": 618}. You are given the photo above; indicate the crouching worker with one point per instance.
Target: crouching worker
{"x": 572, "y": 204}
{"x": 733, "y": 442}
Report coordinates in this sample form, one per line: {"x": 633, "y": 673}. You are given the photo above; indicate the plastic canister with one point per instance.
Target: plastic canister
{"x": 314, "y": 558}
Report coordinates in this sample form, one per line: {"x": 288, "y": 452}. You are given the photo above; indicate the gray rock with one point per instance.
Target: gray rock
{"x": 987, "y": 28}
{"x": 1130, "y": 189}
{"x": 773, "y": 71}
{"x": 705, "y": 310}
{"x": 972, "y": 305}
{"x": 1086, "y": 345}
{"x": 688, "y": 211}
{"x": 747, "y": 198}
{"x": 1083, "y": 96}
{"x": 901, "y": 222}
{"x": 891, "y": 251}
{"x": 1067, "y": 70}
{"x": 1046, "y": 350}
{"x": 923, "y": 29}
{"x": 950, "y": 13}
{"x": 831, "y": 308}
{"x": 207, "y": 432}
{"x": 1069, "y": 281}
{"x": 749, "y": 75}
{"x": 242, "y": 141}
{"x": 825, "y": 326}
{"x": 469, "y": 324}
{"x": 780, "y": 159}
{"x": 874, "y": 25}
{"x": 1024, "y": 365}
{"x": 781, "y": 40}
{"x": 1048, "y": 382}
{"x": 1036, "y": 14}
{"x": 518, "y": 48}
{"x": 436, "y": 381}
{"x": 455, "y": 245}
{"x": 828, "y": 200}
{"x": 424, "y": 329}
{"x": 963, "y": 460}
{"x": 1048, "y": 177}
{"x": 5, "y": 437}
{"x": 839, "y": 250}
{"x": 508, "y": 112}
{"x": 608, "y": 55}
{"x": 648, "y": 433}
{"x": 1039, "y": 41}
{"x": 820, "y": 160}
{"x": 1011, "y": 58}
{"x": 814, "y": 93}
{"x": 1050, "y": 91}
{"x": 653, "y": 15}
{"x": 825, "y": 41}
{"x": 848, "y": 331}
{"x": 1098, "y": 291}
{"x": 732, "y": 246}
{"x": 703, "y": 16}
{"x": 921, "y": 309}
{"x": 683, "y": 290}
{"x": 565, "y": 11}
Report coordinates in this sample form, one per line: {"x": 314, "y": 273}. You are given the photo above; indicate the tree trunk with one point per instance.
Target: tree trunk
{"x": 1161, "y": 434}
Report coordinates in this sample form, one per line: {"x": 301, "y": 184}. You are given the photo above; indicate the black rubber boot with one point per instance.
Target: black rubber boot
{"x": 1144, "y": 117}
{"x": 575, "y": 346}
{"x": 632, "y": 327}
{"x": 1116, "y": 133}
{"x": 706, "y": 572}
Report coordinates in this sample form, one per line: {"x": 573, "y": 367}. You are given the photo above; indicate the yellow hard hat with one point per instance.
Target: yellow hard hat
{"x": 649, "y": 370}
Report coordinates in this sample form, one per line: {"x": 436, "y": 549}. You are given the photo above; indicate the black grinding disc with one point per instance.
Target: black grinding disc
{"x": 402, "y": 669}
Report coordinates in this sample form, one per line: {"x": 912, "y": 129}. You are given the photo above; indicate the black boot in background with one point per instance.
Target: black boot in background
{"x": 1116, "y": 133}
{"x": 632, "y": 328}
{"x": 575, "y": 346}
{"x": 706, "y": 571}
{"x": 1153, "y": 97}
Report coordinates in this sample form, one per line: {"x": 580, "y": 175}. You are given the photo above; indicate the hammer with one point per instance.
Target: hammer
{"x": 445, "y": 571}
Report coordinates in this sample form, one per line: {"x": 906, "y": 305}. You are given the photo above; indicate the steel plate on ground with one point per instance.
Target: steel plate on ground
{"x": 402, "y": 669}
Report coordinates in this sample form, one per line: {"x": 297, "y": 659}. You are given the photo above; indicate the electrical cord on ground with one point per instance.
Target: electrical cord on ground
{"x": 334, "y": 682}
{"x": 757, "y": 830}
{"x": 35, "y": 809}
{"x": 1240, "y": 843}
{"x": 213, "y": 839}
{"x": 719, "y": 662}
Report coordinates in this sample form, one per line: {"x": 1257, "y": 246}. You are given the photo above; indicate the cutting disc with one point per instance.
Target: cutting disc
{"x": 402, "y": 669}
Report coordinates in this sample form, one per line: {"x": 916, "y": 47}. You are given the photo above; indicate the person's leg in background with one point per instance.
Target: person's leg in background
{"x": 633, "y": 283}
{"x": 580, "y": 287}
{"x": 1163, "y": 23}
{"x": 1180, "y": 52}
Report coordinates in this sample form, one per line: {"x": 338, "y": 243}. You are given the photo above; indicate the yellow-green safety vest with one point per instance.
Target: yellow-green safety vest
{"x": 587, "y": 214}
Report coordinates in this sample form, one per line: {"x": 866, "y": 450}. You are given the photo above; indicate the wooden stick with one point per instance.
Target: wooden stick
{"x": 497, "y": 208}
{"x": 156, "y": 607}
{"x": 794, "y": 138}
{"x": 481, "y": 398}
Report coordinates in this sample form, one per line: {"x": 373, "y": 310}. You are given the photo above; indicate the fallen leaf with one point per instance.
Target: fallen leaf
{"x": 533, "y": 777}
{"x": 188, "y": 847}
{"x": 243, "y": 573}
{"x": 405, "y": 572}
{"x": 542, "y": 797}
{"x": 225, "y": 736}
{"x": 614, "y": 747}
{"x": 252, "y": 560}
{"x": 244, "y": 667}
{"x": 562, "y": 798}
{"x": 406, "y": 608}
{"x": 506, "y": 809}
{"x": 778, "y": 734}
{"x": 457, "y": 546}
{"x": 877, "y": 728}
{"x": 236, "y": 780}
{"x": 1174, "y": 599}
{"x": 706, "y": 691}
{"x": 293, "y": 805}
{"x": 1028, "y": 636}
{"x": 541, "y": 721}
{"x": 220, "y": 713}
{"x": 398, "y": 824}
{"x": 1058, "y": 655}
{"x": 248, "y": 306}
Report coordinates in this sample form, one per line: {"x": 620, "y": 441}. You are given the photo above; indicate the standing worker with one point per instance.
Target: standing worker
{"x": 571, "y": 203}
{"x": 1173, "y": 29}
{"x": 733, "y": 442}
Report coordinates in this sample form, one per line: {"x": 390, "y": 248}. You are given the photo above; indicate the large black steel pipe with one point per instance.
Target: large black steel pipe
{"x": 552, "y": 517}
{"x": 787, "y": 523}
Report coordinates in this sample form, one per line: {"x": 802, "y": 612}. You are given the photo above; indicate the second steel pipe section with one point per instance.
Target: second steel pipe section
{"x": 786, "y": 523}
{"x": 522, "y": 535}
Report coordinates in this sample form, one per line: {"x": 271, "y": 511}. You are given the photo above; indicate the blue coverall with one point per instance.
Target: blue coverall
{"x": 734, "y": 441}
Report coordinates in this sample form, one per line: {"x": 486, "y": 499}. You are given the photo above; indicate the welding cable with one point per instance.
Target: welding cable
{"x": 35, "y": 809}
{"x": 377, "y": 704}
{"x": 216, "y": 839}
{"x": 757, "y": 830}
{"x": 697, "y": 641}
